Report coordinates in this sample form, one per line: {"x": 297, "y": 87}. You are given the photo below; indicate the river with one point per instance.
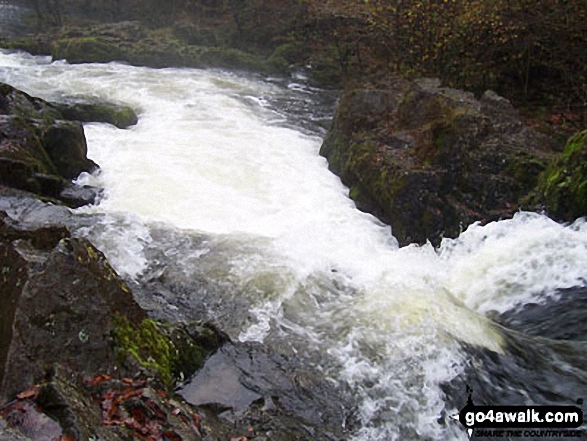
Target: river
{"x": 219, "y": 194}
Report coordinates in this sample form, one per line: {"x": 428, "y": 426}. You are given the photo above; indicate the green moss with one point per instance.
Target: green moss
{"x": 525, "y": 168}
{"x": 326, "y": 68}
{"x": 147, "y": 344}
{"x": 563, "y": 185}
{"x": 119, "y": 116}
{"x": 87, "y": 50}
{"x": 355, "y": 193}
{"x": 172, "y": 352}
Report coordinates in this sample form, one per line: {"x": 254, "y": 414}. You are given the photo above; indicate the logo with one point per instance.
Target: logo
{"x": 520, "y": 421}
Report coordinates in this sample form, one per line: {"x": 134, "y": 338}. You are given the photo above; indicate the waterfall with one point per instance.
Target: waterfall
{"x": 219, "y": 184}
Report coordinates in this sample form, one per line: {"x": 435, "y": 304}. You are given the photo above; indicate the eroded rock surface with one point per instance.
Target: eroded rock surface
{"x": 431, "y": 160}
{"x": 60, "y": 297}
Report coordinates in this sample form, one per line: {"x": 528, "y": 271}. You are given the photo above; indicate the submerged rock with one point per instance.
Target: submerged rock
{"x": 431, "y": 160}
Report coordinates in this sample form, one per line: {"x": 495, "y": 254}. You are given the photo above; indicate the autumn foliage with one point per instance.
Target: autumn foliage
{"x": 532, "y": 51}
{"x": 525, "y": 49}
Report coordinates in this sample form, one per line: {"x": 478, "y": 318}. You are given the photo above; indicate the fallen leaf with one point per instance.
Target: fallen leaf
{"x": 31, "y": 392}
{"x": 100, "y": 378}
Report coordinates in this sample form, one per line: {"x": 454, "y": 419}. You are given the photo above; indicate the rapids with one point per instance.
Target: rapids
{"x": 220, "y": 192}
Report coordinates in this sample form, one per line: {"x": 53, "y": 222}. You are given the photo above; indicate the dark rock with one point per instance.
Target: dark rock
{"x": 247, "y": 385}
{"x": 119, "y": 116}
{"x": 17, "y": 103}
{"x": 59, "y": 297}
{"x": 97, "y": 407}
{"x": 87, "y": 50}
{"x": 76, "y": 196}
{"x": 39, "y": 151}
{"x": 430, "y": 160}
{"x": 543, "y": 318}
{"x": 20, "y": 144}
{"x": 167, "y": 352}
{"x": 65, "y": 399}
{"x": 50, "y": 185}
{"x": 65, "y": 143}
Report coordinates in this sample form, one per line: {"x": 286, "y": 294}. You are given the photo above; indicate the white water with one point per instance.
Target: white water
{"x": 210, "y": 155}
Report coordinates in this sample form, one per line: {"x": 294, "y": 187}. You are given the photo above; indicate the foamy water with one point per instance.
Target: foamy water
{"x": 211, "y": 155}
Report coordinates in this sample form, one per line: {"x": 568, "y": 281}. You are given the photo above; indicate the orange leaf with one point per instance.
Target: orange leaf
{"x": 31, "y": 392}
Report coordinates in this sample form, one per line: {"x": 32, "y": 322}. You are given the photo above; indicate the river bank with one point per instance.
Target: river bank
{"x": 184, "y": 274}
{"x": 150, "y": 366}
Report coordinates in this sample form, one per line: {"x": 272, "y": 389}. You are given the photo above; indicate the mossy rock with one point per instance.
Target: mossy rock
{"x": 172, "y": 352}
{"x": 287, "y": 56}
{"x": 226, "y": 58}
{"x": 65, "y": 144}
{"x": 193, "y": 34}
{"x": 325, "y": 69}
{"x": 119, "y": 116}
{"x": 87, "y": 50}
{"x": 34, "y": 45}
{"x": 563, "y": 186}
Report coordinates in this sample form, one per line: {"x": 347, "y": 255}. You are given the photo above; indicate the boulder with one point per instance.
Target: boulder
{"x": 119, "y": 116}
{"x": 87, "y": 50}
{"x": 250, "y": 386}
{"x": 430, "y": 160}
{"x": 40, "y": 151}
{"x": 60, "y": 298}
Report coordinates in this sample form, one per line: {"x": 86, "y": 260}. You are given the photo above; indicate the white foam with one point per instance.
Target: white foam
{"x": 388, "y": 320}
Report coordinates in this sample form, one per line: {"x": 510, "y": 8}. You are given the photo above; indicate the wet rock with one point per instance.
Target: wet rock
{"x": 67, "y": 406}
{"x": 431, "y": 160}
{"x": 76, "y": 196}
{"x": 119, "y": 116}
{"x": 543, "y": 318}
{"x": 167, "y": 352}
{"x": 65, "y": 143}
{"x": 65, "y": 399}
{"x": 249, "y": 386}
{"x": 59, "y": 297}
{"x": 39, "y": 151}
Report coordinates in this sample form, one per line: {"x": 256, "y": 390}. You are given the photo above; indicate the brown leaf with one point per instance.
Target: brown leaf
{"x": 31, "y": 392}
{"x": 170, "y": 435}
{"x": 99, "y": 379}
